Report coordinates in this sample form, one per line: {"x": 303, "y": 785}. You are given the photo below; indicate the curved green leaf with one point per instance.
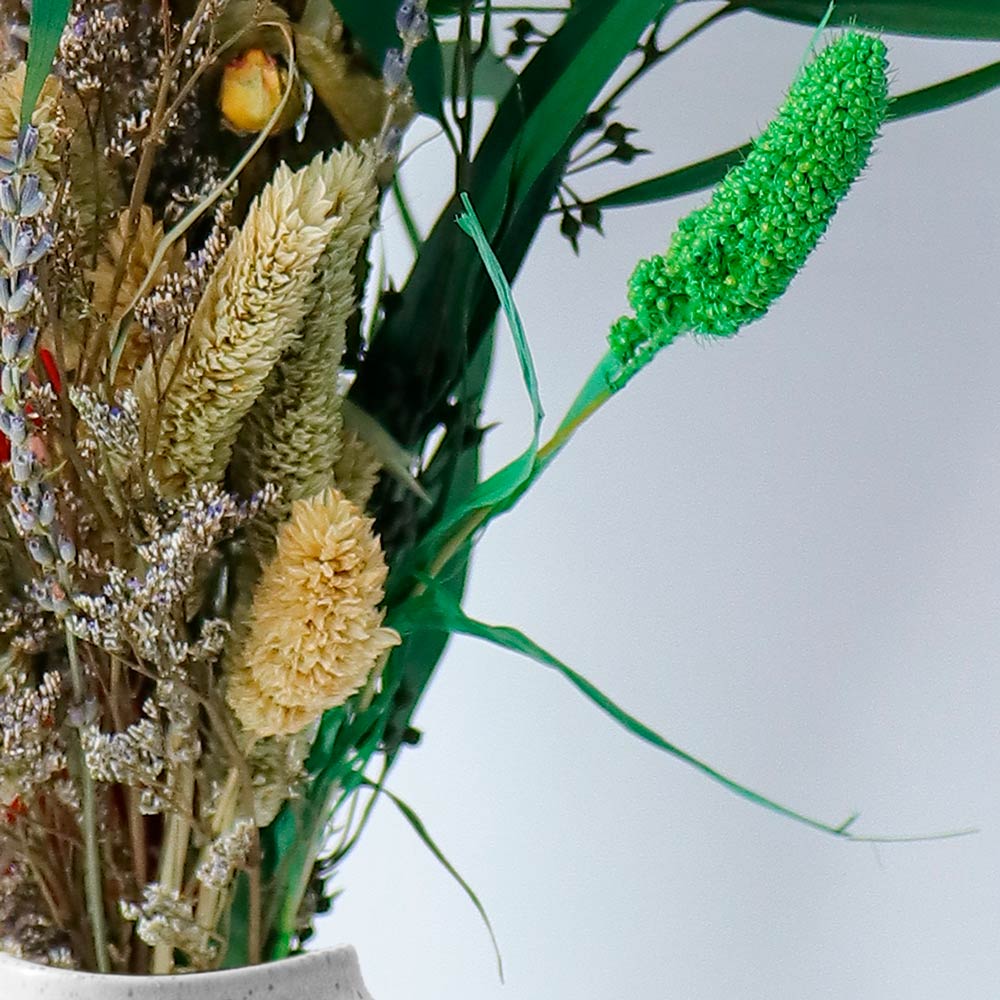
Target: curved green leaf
{"x": 48, "y": 18}
{"x": 421, "y": 831}
{"x": 945, "y": 18}
{"x": 948, "y": 92}
{"x": 701, "y": 175}
{"x": 436, "y": 604}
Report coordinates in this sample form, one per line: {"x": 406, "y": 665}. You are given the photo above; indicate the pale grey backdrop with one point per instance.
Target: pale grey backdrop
{"x": 782, "y": 551}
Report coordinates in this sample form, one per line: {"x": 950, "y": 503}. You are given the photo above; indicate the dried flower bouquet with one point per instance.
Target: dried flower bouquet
{"x": 230, "y": 557}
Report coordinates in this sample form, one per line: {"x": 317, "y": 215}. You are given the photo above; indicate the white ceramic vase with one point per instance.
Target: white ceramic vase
{"x": 318, "y": 975}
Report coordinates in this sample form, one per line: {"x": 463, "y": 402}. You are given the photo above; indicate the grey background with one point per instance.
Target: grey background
{"x": 781, "y": 551}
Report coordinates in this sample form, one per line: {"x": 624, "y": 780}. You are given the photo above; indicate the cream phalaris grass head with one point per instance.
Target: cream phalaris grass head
{"x": 195, "y": 400}
{"x": 730, "y": 260}
{"x": 292, "y": 436}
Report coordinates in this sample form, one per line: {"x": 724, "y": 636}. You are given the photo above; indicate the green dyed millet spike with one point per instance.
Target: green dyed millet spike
{"x": 729, "y": 260}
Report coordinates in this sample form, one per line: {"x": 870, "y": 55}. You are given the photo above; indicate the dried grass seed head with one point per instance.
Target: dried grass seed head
{"x": 253, "y": 307}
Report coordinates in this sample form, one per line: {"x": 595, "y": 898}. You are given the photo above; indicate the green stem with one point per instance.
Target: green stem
{"x": 93, "y": 886}
{"x": 405, "y": 215}
{"x": 582, "y": 410}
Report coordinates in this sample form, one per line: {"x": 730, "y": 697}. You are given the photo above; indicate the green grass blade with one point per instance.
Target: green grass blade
{"x": 551, "y": 97}
{"x": 943, "y": 95}
{"x": 450, "y": 615}
{"x": 502, "y": 488}
{"x": 943, "y": 18}
{"x": 515, "y": 172}
{"x": 701, "y": 175}
{"x": 421, "y": 831}
{"x": 48, "y": 18}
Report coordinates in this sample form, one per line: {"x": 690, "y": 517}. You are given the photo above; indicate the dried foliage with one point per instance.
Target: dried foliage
{"x": 173, "y": 312}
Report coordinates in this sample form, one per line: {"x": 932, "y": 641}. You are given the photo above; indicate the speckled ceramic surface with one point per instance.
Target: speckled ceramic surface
{"x": 321, "y": 975}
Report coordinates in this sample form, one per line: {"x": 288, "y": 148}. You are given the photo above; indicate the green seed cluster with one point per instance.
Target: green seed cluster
{"x": 728, "y": 261}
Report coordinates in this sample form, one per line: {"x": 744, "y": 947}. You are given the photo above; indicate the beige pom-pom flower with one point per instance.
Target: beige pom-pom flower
{"x": 315, "y": 630}
{"x": 252, "y": 309}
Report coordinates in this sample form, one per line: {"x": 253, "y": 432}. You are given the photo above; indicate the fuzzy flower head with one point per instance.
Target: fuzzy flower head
{"x": 729, "y": 260}
{"x": 315, "y": 629}
{"x": 251, "y": 310}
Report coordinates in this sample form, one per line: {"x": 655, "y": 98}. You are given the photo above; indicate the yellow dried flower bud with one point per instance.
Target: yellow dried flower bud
{"x": 253, "y": 85}
{"x": 315, "y": 629}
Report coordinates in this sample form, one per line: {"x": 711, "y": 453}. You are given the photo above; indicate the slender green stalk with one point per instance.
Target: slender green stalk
{"x": 93, "y": 885}
{"x": 405, "y": 215}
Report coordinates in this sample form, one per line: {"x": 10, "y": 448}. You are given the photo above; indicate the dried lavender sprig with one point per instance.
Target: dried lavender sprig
{"x": 23, "y": 242}
{"x": 413, "y": 24}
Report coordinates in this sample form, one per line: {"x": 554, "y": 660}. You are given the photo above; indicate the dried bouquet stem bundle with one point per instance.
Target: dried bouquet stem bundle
{"x": 170, "y": 411}
{"x": 224, "y": 585}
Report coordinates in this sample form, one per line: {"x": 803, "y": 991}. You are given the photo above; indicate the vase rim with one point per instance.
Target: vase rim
{"x": 343, "y": 957}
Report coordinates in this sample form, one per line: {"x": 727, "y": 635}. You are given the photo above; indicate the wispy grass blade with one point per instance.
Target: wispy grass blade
{"x": 452, "y": 617}
{"x": 421, "y": 831}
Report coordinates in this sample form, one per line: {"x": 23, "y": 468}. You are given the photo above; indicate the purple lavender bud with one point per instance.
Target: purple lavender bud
{"x": 20, "y": 497}
{"x": 27, "y": 145}
{"x": 392, "y": 142}
{"x": 29, "y": 338}
{"x": 26, "y": 520}
{"x": 40, "y": 550}
{"x": 419, "y": 28}
{"x": 24, "y": 242}
{"x": 8, "y": 234}
{"x": 404, "y": 16}
{"x": 47, "y": 509}
{"x": 8, "y": 196}
{"x": 394, "y": 68}
{"x": 22, "y": 464}
{"x": 11, "y": 378}
{"x": 10, "y": 343}
{"x": 6, "y": 164}
{"x": 32, "y": 201}
{"x": 411, "y": 22}
{"x": 42, "y": 246}
{"x": 22, "y": 285}
{"x": 67, "y": 549}
{"x": 17, "y": 428}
